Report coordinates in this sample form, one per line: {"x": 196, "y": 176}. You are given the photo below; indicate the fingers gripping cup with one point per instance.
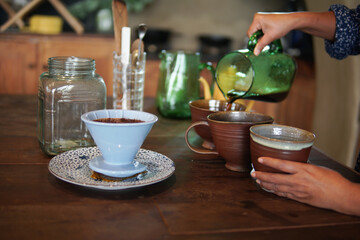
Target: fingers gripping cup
{"x": 119, "y": 135}
{"x": 279, "y": 141}
{"x": 230, "y": 133}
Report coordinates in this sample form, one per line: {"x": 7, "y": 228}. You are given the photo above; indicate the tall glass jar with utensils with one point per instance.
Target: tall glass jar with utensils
{"x": 69, "y": 88}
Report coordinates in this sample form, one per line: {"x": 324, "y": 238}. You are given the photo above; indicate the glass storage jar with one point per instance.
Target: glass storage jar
{"x": 69, "y": 88}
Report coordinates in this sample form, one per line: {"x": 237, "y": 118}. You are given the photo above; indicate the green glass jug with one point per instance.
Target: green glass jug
{"x": 267, "y": 77}
{"x": 179, "y": 82}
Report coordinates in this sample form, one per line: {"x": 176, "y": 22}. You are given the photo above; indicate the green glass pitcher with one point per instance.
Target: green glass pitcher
{"x": 267, "y": 77}
{"x": 179, "y": 82}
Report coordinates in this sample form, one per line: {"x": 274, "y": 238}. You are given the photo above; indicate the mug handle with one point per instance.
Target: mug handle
{"x": 199, "y": 150}
{"x": 275, "y": 46}
{"x": 209, "y": 66}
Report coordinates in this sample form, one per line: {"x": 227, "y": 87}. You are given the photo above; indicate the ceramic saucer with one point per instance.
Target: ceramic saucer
{"x": 99, "y": 165}
{"x": 73, "y": 167}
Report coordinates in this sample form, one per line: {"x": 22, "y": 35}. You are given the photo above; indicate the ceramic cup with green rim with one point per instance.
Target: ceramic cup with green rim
{"x": 230, "y": 133}
{"x": 279, "y": 141}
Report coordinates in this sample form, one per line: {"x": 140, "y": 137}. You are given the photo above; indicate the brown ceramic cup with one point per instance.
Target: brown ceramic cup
{"x": 231, "y": 136}
{"x": 200, "y": 109}
{"x": 279, "y": 141}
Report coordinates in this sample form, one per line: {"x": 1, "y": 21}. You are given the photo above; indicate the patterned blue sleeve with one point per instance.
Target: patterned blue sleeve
{"x": 347, "y": 35}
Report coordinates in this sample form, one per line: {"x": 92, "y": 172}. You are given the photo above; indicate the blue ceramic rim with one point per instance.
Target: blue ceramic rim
{"x": 151, "y": 118}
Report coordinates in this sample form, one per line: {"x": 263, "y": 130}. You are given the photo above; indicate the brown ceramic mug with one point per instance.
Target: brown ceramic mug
{"x": 231, "y": 136}
{"x": 279, "y": 141}
{"x": 201, "y": 108}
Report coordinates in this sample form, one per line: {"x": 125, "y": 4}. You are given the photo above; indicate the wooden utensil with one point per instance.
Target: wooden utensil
{"x": 135, "y": 46}
{"x": 141, "y": 31}
{"x": 120, "y": 17}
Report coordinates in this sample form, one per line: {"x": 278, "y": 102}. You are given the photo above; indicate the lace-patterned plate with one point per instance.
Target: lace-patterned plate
{"x": 73, "y": 167}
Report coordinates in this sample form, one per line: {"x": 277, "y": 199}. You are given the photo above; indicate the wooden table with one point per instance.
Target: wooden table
{"x": 202, "y": 200}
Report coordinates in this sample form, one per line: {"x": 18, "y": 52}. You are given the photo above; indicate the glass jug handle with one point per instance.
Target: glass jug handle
{"x": 275, "y": 46}
{"x": 209, "y": 66}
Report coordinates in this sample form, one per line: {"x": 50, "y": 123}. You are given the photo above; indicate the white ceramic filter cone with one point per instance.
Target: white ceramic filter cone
{"x": 118, "y": 142}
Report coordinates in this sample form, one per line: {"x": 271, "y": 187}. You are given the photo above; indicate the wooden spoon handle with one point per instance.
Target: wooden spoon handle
{"x": 120, "y": 17}
{"x": 135, "y": 46}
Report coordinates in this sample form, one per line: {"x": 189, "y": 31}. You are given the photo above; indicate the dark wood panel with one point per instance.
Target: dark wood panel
{"x": 18, "y": 68}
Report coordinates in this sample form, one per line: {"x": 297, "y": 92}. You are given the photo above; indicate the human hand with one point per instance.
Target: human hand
{"x": 277, "y": 25}
{"x": 273, "y": 25}
{"x": 317, "y": 186}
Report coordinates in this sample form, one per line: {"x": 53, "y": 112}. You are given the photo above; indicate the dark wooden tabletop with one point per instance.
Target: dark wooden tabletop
{"x": 202, "y": 200}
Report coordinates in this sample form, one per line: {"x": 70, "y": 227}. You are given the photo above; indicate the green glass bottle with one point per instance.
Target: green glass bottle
{"x": 267, "y": 77}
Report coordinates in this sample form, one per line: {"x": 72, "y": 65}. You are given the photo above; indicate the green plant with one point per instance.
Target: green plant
{"x": 84, "y": 8}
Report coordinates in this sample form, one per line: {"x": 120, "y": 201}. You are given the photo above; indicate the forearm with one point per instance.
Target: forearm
{"x": 349, "y": 202}
{"x": 277, "y": 25}
{"x": 314, "y": 185}
{"x": 320, "y": 24}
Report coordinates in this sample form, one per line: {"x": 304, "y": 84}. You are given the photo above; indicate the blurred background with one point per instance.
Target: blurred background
{"x": 325, "y": 96}
{"x": 211, "y": 27}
